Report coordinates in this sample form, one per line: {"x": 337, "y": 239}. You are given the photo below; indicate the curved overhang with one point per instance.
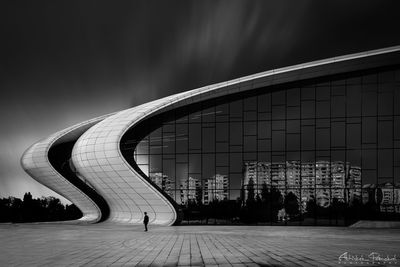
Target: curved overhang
{"x": 37, "y": 163}
{"x": 98, "y": 157}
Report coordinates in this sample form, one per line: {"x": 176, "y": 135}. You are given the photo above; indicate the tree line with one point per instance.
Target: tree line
{"x": 267, "y": 207}
{"x": 31, "y": 209}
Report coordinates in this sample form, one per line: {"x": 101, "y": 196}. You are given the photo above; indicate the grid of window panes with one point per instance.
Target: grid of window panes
{"x": 315, "y": 152}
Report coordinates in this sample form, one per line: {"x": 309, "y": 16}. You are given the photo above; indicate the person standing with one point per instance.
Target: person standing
{"x": 145, "y": 221}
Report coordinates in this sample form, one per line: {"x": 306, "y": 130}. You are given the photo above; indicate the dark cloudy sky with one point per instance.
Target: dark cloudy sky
{"x": 62, "y": 62}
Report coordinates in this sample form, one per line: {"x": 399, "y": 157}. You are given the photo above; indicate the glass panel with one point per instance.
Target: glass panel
{"x": 222, "y": 132}
{"x": 385, "y": 134}
{"x": 308, "y": 93}
{"x": 250, "y": 103}
{"x": 323, "y": 109}
{"x": 208, "y": 166}
{"x": 195, "y": 163}
{"x": 279, "y": 97}
{"x": 307, "y": 137}
{"x": 208, "y": 115}
{"x": 338, "y": 134}
{"x": 369, "y": 100}
{"x": 155, "y": 163}
{"x": 222, "y": 159}
{"x": 250, "y": 128}
{"x": 338, "y": 107}
{"x": 293, "y": 112}
{"x": 181, "y": 138}
{"x": 264, "y": 103}
{"x": 308, "y": 109}
{"x": 369, "y": 159}
{"x": 278, "y": 140}
{"x": 208, "y": 140}
{"x": 385, "y": 163}
{"x": 235, "y": 162}
{"x": 293, "y": 142}
{"x": 385, "y": 104}
{"x": 353, "y": 136}
{"x": 293, "y": 126}
{"x": 250, "y": 144}
{"x": 194, "y": 136}
{"x": 293, "y": 97}
{"x": 264, "y": 129}
{"x": 278, "y": 112}
{"x": 322, "y": 139}
{"x": 323, "y": 93}
{"x": 353, "y": 100}
{"x": 236, "y": 109}
{"x": 369, "y": 130}
{"x": 235, "y": 133}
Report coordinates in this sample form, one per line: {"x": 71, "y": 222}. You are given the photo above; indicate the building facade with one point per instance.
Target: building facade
{"x": 320, "y": 140}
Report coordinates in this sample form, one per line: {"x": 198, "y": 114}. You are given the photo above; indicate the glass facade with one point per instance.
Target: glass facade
{"x": 323, "y": 151}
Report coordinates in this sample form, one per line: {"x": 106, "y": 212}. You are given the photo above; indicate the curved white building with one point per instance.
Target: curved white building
{"x": 105, "y": 165}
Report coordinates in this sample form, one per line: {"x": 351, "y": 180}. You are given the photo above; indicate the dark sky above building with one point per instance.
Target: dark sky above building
{"x": 63, "y": 62}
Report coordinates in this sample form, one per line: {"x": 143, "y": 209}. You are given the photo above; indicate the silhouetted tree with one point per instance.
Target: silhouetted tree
{"x": 264, "y": 192}
{"x": 30, "y": 210}
{"x": 311, "y": 207}
{"x": 250, "y": 193}
{"x": 276, "y": 200}
{"x": 199, "y": 195}
{"x": 291, "y": 205}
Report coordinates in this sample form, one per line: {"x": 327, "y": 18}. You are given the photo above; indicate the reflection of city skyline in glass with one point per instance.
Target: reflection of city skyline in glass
{"x": 327, "y": 141}
{"x": 321, "y": 180}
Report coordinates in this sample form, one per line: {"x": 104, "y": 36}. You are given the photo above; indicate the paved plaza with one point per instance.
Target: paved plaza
{"x": 124, "y": 245}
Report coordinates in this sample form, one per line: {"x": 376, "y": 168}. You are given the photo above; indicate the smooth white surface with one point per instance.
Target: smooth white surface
{"x": 36, "y": 163}
{"x": 97, "y": 156}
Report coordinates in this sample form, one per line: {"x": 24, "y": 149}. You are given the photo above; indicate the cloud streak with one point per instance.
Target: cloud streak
{"x": 65, "y": 62}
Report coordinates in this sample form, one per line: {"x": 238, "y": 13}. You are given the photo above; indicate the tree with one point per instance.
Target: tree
{"x": 199, "y": 196}
{"x": 250, "y": 193}
{"x": 291, "y": 205}
{"x": 28, "y": 211}
{"x": 276, "y": 203}
{"x": 264, "y": 192}
{"x": 35, "y": 210}
{"x": 311, "y": 207}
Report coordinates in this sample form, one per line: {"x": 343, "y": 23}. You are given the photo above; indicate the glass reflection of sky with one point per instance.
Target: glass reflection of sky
{"x": 325, "y": 121}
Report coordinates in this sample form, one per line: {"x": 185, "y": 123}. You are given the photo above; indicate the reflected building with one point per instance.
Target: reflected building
{"x": 354, "y": 184}
{"x": 257, "y": 174}
{"x": 321, "y": 180}
{"x": 216, "y": 188}
{"x": 190, "y": 190}
{"x": 163, "y": 182}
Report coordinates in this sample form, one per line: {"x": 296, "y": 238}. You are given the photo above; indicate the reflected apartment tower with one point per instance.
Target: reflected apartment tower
{"x": 338, "y": 181}
{"x": 354, "y": 184}
{"x": 257, "y": 172}
{"x": 163, "y": 182}
{"x": 278, "y": 175}
{"x": 389, "y": 198}
{"x": 307, "y": 182}
{"x": 293, "y": 177}
{"x": 189, "y": 189}
{"x": 322, "y": 183}
{"x": 216, "y": 188}
{"x": 320, "y": 180}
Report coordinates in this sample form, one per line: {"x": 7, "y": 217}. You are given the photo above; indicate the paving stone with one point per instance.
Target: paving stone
{"x": 126, "y": 245}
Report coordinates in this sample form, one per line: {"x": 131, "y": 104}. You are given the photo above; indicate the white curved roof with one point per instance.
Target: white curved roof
{"x": 98, "y": 158}
{"x": 36, "y": 163}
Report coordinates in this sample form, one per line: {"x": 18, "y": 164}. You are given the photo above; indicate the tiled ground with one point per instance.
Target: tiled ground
{"x": 104, "y": 245}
